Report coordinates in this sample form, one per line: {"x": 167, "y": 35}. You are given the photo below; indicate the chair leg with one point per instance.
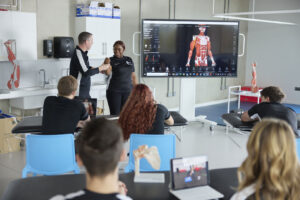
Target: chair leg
{"x": 24, "y": 174}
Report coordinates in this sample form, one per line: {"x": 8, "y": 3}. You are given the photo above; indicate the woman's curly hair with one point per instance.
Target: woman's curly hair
{"x": 138, "y": 113}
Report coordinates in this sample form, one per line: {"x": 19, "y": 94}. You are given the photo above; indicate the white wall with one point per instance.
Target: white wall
{"x": 276, "y": 49}
{"x": 57, "y": 18}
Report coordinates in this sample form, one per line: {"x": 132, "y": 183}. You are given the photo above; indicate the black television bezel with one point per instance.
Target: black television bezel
{"x": 185, "y": 20}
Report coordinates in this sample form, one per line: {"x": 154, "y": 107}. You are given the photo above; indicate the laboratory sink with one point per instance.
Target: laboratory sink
{"x": 33, "y": 88}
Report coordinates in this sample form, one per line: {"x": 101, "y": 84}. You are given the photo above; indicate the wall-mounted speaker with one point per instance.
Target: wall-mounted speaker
{"x": 63, "y": 47}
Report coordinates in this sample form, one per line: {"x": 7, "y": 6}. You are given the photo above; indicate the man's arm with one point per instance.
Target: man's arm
{"x": 192, "y": 45}
{"x": 245, "y": 117}
{"x": 86, "y": 70}
{"x": 82, "y": 123}
{"x": 210, "y": 53}
{"x": 170, "y": 121}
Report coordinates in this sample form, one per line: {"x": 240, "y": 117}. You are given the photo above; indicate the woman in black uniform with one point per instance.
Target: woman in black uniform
{"x": 121, "y": 79}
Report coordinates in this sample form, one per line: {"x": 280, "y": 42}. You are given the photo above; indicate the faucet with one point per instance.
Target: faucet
{"x": 66, "y": 72}
{"x": 44, "y": 81}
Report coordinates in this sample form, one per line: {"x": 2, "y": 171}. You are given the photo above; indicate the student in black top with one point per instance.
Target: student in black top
{"x": 62, "y": 114}
{"x": 121, "y": 79}
{"x": 99, "y": 151}
{"x": 80, "y": 67}
{"x": 141, "y": 114}
{"x": 271, "y": 107}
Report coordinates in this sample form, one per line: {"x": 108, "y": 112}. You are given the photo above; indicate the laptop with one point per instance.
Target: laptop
{"x": 190, "y": 179}
{"x": 90, "y": 105}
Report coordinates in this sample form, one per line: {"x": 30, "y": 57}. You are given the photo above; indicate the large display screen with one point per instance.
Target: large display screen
{"x": 185, "y": 48}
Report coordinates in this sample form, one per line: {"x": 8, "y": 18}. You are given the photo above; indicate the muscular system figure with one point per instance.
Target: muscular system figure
{"x": 203, "y": 48}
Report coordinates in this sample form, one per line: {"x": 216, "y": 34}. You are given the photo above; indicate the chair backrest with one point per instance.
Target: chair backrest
{"x": 298, "y": 147}
{"x": 50, "y": 154}
{"x": 166, "y": 147}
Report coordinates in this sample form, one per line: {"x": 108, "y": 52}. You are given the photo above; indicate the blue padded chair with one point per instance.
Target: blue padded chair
{"x": 166, "y": 147}
{"x": 50, "y": 155}
{"x": 298, "y": 147}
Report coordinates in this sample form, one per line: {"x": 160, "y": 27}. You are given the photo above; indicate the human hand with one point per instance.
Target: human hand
{"x": 187, "y": 64}
{"x": 122, "y": 188}
{"x": 104, "y": 67}
{"x": 213, "y": 64}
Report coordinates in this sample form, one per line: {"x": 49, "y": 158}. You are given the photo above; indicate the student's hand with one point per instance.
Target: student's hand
{"x": 122, "y": 188}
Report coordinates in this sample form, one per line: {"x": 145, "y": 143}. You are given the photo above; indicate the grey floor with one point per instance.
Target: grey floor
{"x": 223, "y": 150}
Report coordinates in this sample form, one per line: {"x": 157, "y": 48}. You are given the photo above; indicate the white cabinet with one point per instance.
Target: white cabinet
{"x": 30, "y": 102}
{"x": 21, "y": 27}
{"x": 98, "y": 92}
{"x": 105, "y": 32}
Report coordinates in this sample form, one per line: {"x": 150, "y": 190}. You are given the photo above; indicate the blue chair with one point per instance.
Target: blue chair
{"x": 298, "y": 147}
{"x": 50, "y": 155}
{"x": 166, "y": 147}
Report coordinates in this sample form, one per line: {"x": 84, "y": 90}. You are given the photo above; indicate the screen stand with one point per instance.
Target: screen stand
{"x": 187, "y": 103}
{"x": 187, "y": 98}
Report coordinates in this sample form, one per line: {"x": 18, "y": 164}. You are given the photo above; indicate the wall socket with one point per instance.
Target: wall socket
{"x": 297, "y": 88}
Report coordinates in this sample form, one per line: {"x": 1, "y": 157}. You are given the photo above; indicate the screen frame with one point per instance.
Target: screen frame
{"x": 183, "y": 20}
{"x": 172, "y": 173}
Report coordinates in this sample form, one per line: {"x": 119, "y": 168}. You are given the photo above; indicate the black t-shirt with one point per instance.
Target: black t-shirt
{"x": 89, "y": 195}
{"x": 275, "y": 110}
{"x": 61, "y": 115}
{"x": 122, "y": 69}
{"x": 162, "y": 114}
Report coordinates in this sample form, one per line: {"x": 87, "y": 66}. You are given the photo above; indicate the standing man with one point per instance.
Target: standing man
{"x": 203, "y": 48}
{"x": 80, "y": 67}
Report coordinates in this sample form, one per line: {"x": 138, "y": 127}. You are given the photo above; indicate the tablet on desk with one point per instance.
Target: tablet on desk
{"x": 190, "y": 179}
{"x": 90, "y": 105}
{"x": 189, "y": 172}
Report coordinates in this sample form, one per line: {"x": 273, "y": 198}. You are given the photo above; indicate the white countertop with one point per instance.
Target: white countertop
{"x": 35, "y": 91}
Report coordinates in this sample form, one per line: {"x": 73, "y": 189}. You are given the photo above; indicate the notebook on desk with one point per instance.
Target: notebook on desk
{"x": 190, "y": 179}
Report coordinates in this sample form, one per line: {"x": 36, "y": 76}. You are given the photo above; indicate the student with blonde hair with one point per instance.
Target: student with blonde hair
{"x": 271, "y": 170}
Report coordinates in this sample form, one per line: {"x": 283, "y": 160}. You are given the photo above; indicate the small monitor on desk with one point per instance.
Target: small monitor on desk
{"x": 90, "y": 105}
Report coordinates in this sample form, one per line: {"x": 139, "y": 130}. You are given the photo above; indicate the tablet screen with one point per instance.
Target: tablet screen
{"x": 90, "y": 105}
{"x": 189, "y": 172}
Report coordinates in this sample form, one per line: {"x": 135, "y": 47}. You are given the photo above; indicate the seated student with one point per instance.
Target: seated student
{"x": 62, "y": 113}
{"x": 141, "y": 114}
{"x": 271, "y": 106}
{"x": 271, "y": 171}
{"x": 100, "y": 149}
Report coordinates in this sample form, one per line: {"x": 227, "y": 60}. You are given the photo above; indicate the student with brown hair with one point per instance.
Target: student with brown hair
{"x": 271, "y": 170}
{"x": 63, "y": 113}
{"x": 99, "y": 151}
{"x": 271, "y": 106}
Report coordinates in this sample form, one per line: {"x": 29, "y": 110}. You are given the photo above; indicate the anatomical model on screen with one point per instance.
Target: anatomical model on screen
{"x": 203, "y": 48}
